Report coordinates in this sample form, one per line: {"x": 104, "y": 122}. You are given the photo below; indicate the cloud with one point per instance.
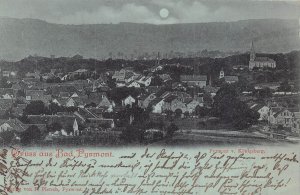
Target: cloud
{"x": 146, "y": 11}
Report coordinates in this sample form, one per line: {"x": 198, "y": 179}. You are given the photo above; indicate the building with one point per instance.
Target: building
{"x": 231, "y": 79}
{"x": 283, "y": 116}
{"x": 129, "y": 100}
{"x": 262, "y": 110}
{"x": 260, "y": 62}
{"x": 119, "y": 75}
{"x": 194, "y": 80}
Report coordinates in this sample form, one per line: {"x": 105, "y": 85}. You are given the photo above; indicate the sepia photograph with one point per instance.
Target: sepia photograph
{"x": 157, "y": 73}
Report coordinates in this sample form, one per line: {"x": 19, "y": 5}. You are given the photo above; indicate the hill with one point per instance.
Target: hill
{"x": 22, "y": 37}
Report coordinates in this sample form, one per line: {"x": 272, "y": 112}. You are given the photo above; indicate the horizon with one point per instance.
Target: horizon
{"x": 233, "y": 21}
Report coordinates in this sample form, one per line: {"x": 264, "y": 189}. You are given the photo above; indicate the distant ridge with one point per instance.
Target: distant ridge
{"x": 22, "y": 37}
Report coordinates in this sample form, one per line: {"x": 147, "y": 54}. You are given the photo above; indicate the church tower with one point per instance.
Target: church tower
{"x": 252, "y": 52}
{"x": 222, "y": 74}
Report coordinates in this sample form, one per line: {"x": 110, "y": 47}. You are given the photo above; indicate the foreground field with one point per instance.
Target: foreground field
{"x": 220, "y": 137}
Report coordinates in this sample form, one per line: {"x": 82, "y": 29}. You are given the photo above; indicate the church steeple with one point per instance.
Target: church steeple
{"x": 252, "y": 52}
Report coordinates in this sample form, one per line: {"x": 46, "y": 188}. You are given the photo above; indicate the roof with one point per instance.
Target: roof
{"x": 155, "y": 101}
{"x": 4, "y": 91}
{"x": 35, "y": 93}
{"x": 86, "y": 113}
{"x": 297, "y": 115}
{"x": 64, "y": 120}
{"x": 170, "y": 98}
{"x": 57, "y": 89}
{"x": 282, "y": 110}
{"x": 231, "y": 78}
{"x": 193, "y": 77}
{"x": 144, "y": 96}
{"x": 263, "y": 59}
{"x": 257, "y": 107}
{"x": 211, "y": 89}
{"x": 16, "y": 125}
{"x": 5, "y": 104}
{"x": 81, "y": 70}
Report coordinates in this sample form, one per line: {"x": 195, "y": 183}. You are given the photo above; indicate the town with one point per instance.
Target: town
{"x": 249, "y": 98}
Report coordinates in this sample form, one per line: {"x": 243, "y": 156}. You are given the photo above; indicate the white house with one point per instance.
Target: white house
{"x": 129, "y": 100}
{"x": 7, "y": 96}
{"x": 134, "y": 84}
{"x": 145, "y": 80}
{"x": 262, "y": 110}
{"x": 157, "y": 105}
{"x": 70, "y": 102}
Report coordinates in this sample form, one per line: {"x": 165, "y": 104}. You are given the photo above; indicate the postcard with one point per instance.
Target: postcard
{"x": 142, "y": 97}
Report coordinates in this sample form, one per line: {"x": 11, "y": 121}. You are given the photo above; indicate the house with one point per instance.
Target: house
{"x": 105, "y": 103}
{"x": 172, "y": 103}
{"x": 5, "y": 106}
{"x": 18, "y": 127}
{"x": 70, "y": 102}
{"x": 191, "y": 105}
{"x": 182, "y": 96}
{"x": 37, "y": 95}
{"x": 260, "y": 62}
{"x": 100, "y": 122}
{"x": 13, "y": 125}
{"x": 145, "y": 80}
{"x": 157, "y": 105}
{"x": 129, "y": 76}
{"x": 129, "y": 100}
{"x": 133, "y": 84}
{"x": 194, "y": 80}
{"x": 18, "y": 110}
{"x": 145, "y": 99}
{"x": 296, "y": 123}
{"x": 178, "y": 86}
{"x": 57, "y": 89}
{"x": 281, "y": 116}
{"x": 6, "y": 73}
{"x": 231, "y": 79}
{"x": 35, "y": 74}
{"x": 119, "y": 75}
{"x": 68, "y": 122}
{"x": 7, "y": 93}
{"x": 262, "y": 110}
{"x": 153, "y": 89}
{"x": 156, "y": 68}
{"x": 165, "y": 77}
{"x": 211, "y": 90}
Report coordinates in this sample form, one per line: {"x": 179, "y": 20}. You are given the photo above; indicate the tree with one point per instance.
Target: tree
{"x": 228, "y": 107}
{"x": 91, "y": 105}
{"x": 7, "y": 136}
{"x": 20, "y": 93}
{"x": 4, "y": 83}
{"x": 31, "y": 135}
{"x": 178, "y": 112}
{"x": 156, "y": 81}
{"x": 284, "y": 86}
{"x": 263, "y": 93}
{"x": 171, "y": 130}
{"x": 54, "y": 108}
{"x": 36, "y": 108}
{"x": 54, "y": 127}
{"x": 132, "y": 133}
{"x": 201, "y": 111}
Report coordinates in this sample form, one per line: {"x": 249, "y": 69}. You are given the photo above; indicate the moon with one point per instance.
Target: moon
{"x": 164, "y": 13}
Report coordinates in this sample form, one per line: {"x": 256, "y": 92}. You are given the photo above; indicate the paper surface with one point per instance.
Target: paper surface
{"x": 215, "y": 170}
